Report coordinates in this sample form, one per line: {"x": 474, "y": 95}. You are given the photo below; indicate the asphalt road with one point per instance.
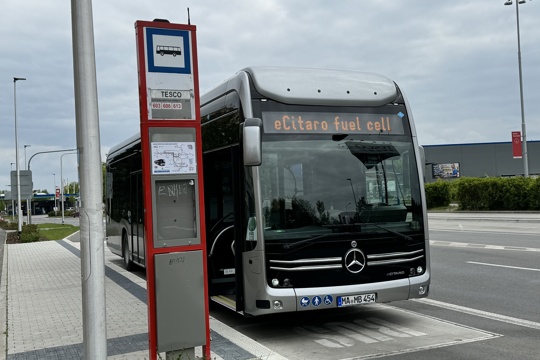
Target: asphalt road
{"x": 42, "y": 219}
{"x": 484, "y": 304}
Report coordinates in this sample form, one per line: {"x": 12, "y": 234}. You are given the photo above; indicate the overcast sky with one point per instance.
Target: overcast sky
{"x": 456, "y": 61}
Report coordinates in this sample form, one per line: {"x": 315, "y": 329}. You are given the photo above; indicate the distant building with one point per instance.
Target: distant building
{"x": 478, "y": 160}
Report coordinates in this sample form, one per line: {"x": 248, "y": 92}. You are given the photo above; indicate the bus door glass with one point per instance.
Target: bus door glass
{"x": 136, "y": 219}
{"x": 220, "y": 220}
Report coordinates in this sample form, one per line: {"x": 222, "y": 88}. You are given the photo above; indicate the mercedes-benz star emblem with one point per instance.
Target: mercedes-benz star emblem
{"x": 354, "y": 260}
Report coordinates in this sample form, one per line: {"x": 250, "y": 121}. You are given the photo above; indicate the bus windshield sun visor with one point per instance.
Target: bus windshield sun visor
{"x": 371, "y": 154}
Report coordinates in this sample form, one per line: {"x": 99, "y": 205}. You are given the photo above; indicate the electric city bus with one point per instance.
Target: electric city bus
{"x": 313, "y": 192}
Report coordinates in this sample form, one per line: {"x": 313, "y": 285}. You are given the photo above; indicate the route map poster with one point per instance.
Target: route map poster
{"x": 173, "y": 158}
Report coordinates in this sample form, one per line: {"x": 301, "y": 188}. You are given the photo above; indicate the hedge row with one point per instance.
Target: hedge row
{"x": 517, "y": 193}
{"x": 29, "y": 232}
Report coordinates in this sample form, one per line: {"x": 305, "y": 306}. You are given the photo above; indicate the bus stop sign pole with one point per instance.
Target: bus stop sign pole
{"x": 178, "y": 318}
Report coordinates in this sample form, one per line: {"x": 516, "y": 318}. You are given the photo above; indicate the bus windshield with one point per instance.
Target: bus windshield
{"x": 313, "y": 186}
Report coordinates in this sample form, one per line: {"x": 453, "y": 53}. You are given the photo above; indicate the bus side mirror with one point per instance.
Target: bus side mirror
{"x": 251, "y": 137}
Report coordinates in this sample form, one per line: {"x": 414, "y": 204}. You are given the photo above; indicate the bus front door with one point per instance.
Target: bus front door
{"x": 222, "y": 189}
{"x": 137, "y": 244}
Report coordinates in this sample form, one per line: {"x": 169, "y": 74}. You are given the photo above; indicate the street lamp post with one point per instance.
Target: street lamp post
{"x": 523, "y": 128}
{"x": 354, "y": 195}
{"x": 54, "y": 192}
{"x": 62, "y": 184}
{"x": 29, "y": 200}
{"x": 25, "y": 146}
{"x": 12, "y": 200}
{"x": 19, "y": 212}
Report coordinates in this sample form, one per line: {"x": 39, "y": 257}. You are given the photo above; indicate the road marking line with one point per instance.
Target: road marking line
{"x": 486, "y": 335}
{"x": 481, "y": 313}
{"x": 246, "y": 343}
{"x": 523, "y": 231}
{"x": 503, "y": 266}
{"x": 481, "y": 246}
{"x": 422, "y": 348}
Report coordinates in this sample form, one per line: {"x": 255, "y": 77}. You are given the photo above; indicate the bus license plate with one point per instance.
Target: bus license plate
{"x": 355, "y": 300}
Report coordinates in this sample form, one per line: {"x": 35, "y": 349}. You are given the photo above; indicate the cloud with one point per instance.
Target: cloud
{"x": 455, "y": 61}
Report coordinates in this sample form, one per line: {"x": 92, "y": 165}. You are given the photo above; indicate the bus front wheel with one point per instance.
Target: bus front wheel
{"x": 125, "y": 250}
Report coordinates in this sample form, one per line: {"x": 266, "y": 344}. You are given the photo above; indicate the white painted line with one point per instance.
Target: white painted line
{"x": 422, "y": 348}
{"x": 485, "y": 335}
{"x": 481, "y": 246}
{"x": 481, "y": 313}
{"x": 523, "y": 231}
{"x": 246, "y": 343}
{"x": 503, "y": 266}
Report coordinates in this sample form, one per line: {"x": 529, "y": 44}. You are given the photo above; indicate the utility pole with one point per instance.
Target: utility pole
{"x": 91, "y": 210}
{"x": 19, "y": 208}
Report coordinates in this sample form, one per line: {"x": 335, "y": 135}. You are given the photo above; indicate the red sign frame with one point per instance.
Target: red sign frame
{"x": 145, "y": 125}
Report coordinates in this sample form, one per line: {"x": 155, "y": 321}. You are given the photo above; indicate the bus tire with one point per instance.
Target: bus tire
{"x": 125, "y": 252}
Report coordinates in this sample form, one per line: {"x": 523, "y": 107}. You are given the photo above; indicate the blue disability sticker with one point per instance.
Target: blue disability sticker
{"x": 328, "y": 300}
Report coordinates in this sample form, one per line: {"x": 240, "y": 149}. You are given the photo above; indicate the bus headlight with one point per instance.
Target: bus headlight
{"x": 419, "y": 270}
{"x": 422, "y": 290}
{"x": 275, "y": 282}
{"x": 278, "y": 305}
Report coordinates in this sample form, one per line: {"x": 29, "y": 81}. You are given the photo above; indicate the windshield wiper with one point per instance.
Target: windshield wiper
{"x": 403, "y": 236}
{"x": 305, "y": 241}
{"x": 290, "y": 246}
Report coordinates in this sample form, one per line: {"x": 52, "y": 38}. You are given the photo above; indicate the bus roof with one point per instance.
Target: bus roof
{"x": 308, "y": 86}
{"x": 129, "y": 142}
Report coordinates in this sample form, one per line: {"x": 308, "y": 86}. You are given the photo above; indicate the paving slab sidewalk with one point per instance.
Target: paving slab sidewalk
{"x": 41, "y": 308}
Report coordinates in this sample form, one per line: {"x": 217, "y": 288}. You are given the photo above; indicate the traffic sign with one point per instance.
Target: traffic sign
{"x": 26, "y": 184}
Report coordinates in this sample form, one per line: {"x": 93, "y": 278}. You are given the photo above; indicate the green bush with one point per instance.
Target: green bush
{"x": 67, "y": 213}
{"x": 438, "y": 194}
{"x": 468, "y": 194}
{"x": 534, "y": 194}
{"x": 485, "y": 194}
{"x": 7, "y": 225}
{"x": 30, "y": 233}
{"x": 453, "y": 188}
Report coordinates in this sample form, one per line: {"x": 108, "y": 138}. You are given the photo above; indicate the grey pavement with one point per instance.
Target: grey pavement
{"x": 41, "y": 308}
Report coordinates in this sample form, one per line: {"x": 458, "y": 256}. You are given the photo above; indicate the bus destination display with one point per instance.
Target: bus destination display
{"x": 332, "y": 123}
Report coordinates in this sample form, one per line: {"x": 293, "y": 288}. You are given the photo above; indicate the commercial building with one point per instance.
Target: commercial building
{"x": 478, "y": 160}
